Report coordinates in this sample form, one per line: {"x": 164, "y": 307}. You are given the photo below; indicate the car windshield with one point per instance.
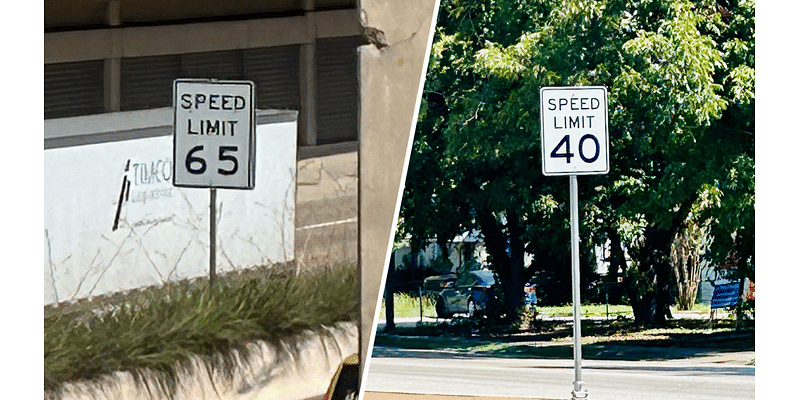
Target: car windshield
{"x": 485, "y": 277}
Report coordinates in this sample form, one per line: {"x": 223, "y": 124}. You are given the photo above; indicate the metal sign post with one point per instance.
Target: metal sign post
{"x": 212, "y": 236}
{"x": 575, "y": 142}
{"x": 579, "y": 390}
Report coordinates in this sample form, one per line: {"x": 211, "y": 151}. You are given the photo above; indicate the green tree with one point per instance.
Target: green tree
{"x": 680, "y": 79}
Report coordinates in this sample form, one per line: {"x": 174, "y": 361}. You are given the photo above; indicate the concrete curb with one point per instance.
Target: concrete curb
{"x": 266, "y": 373}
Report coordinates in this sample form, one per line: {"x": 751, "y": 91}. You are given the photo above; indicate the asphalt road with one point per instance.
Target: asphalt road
{"x": 433, "y": 372}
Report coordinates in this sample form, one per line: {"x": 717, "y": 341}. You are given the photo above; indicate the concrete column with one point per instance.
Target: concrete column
{"x": 111, "y": 85}
{"x": 307, "y": 124}
{"x": 390, "y": 82}
{"x": 111, "y": 73}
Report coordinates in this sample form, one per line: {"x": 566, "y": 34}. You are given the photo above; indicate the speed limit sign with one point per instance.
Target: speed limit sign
{"x": 574, "y": 130}
{"x": 575, "y": 142}
{"x": 214, "y": 134}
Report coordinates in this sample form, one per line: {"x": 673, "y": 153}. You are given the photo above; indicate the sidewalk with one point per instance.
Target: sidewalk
{"x": 408, "y": 396}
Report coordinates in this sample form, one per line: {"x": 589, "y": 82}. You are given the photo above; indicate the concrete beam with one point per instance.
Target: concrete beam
{"x": 99, "y": 44}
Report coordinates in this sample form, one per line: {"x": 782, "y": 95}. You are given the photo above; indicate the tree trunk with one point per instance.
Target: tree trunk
{"x": 649, "y": 287}
{"x": 516, "y": 250}
{"x": 616, "y": 263}
{"x": 388, "y": 294}
{"x": 687, "y": 249}
{"x": 442, "y": 242}
{"x": 649, "y": 291}
{"x": 686, "y": 265}
{"x": 414, "y": 264}
{"x": 508, "y": 257}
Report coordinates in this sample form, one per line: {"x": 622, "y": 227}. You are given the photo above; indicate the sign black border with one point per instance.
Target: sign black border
{"x": 251, "y": 180}
{"x": 541, "y": 130}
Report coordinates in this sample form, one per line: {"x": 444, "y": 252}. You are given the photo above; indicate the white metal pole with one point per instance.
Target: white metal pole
{"x": 579, "y": 390}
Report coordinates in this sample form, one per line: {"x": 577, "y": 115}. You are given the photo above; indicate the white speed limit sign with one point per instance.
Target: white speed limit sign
{"x": 574, "y": 130}
{"x": 214, "y": 134}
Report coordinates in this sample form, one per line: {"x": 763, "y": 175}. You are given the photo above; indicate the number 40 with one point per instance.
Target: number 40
{"x": 567, "y": 151}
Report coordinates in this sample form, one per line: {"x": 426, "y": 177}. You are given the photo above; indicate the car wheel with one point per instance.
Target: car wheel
{"x": 441, "y": 308}
{"x": 470, "y": 308}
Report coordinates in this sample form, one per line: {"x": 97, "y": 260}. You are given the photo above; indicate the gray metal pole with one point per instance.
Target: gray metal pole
{"x": 579, "y": 390}
{"x": 212, "y": 237}
{"x": 419, "y": 292}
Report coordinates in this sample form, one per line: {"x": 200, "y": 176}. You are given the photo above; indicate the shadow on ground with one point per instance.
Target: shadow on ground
{"x": 601, "y": 341}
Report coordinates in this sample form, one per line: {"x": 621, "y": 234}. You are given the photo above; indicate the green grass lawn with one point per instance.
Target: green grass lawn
{"x": 406, "y": 305}
{"x": 617, "y": 337}
{"x": 587, "y": 310}
{"x": 156, "y": 328}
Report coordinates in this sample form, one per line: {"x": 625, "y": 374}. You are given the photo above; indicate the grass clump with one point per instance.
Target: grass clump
{"x": 407, "y": 305}
{"x": 587, "y": 310}
{"x": 160, "y": 328}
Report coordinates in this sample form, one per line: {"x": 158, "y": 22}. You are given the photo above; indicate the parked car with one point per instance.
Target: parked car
{"x": 463, "y": 293}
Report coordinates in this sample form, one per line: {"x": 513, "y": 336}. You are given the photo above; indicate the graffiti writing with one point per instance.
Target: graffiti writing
{"x": 153, "y": 172}
{"x": 143, "y": 173}
{"x": 145, "y": 195}
{"x": 151, "y": 222}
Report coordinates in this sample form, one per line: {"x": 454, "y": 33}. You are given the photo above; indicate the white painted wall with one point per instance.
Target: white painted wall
{"x": 162, "y": 232}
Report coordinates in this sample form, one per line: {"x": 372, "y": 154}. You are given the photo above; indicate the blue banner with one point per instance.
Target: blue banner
{"x": 726, "y": 295}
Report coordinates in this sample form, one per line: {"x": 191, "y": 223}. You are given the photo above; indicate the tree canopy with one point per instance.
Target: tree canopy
{"x": 680, "y": 77}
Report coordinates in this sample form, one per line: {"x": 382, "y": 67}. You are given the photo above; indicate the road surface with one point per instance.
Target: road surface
{"x": 435, "y": 372}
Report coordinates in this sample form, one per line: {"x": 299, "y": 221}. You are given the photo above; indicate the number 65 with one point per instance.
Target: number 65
{"x": 197, "y": 165}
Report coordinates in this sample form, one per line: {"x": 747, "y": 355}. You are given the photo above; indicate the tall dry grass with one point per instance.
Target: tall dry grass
{"x": 160, "y": 329}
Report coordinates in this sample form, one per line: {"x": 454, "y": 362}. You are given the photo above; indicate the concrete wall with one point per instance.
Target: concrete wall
{"x": 391, "y": 83}
{"x": 327, "y": 210}
{"x": 94, "y": 244}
